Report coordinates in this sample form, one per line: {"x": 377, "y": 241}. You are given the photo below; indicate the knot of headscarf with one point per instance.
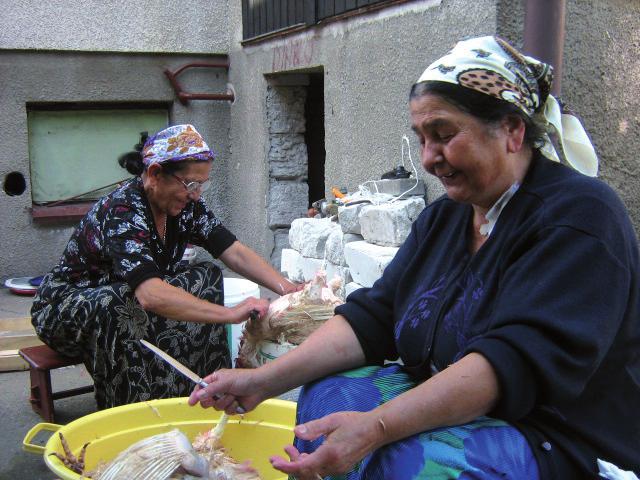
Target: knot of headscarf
{"x": 491, "y": 66}
{"x": 174, "y": 144}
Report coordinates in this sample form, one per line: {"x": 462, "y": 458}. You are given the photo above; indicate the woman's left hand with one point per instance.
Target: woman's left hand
{"x": 349, "y": 437}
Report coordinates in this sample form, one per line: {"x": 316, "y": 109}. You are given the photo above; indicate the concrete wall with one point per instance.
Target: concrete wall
{"x": 115, "y": 26}
{"x": 369, "y": 63}
{"x": 601, "y": 70}
{"x": 30, "y": 247}
{"x": 92, "y": 52}
{"x": 601, "y": 78}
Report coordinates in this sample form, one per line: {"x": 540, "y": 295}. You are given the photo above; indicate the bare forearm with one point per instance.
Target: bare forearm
{"x": 241, "y": 259}
{"x": 330, "y": 349}
{"x": 460, "y": 393}
{"x": 163, "y": 299}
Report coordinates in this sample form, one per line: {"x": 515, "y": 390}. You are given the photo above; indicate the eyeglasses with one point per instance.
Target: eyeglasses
{"x": 193, "y": 187}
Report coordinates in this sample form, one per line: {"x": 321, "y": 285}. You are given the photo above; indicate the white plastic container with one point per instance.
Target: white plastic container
{"x": 268, "y": 351}
{"x": 235, "y": 291}
{"x": 189, "y": 256}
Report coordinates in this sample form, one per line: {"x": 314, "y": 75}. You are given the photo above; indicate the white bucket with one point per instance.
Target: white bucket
{"x": 267, "y": 351}
{"x": 189, "y": 255}
{"x": 235, "y": 291}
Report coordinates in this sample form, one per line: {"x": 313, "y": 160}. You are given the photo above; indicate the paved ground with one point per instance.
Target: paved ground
{"x": 15, "y": 411}
{"x": 18, "y": 419}
{"x": 16, "y": 414}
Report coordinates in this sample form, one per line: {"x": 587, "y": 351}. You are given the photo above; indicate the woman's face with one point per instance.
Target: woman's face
{"x": 168, "y": 193}
{"x": 470, "y": 158}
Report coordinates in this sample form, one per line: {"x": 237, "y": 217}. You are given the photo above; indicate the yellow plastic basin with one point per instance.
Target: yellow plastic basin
{"x": 255, "y": 436}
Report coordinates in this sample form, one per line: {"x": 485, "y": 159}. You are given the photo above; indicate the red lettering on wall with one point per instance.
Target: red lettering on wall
{"x": 292, "y": 54}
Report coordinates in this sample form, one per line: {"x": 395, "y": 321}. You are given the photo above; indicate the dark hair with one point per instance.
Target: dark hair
{"x": 132, "y": 161}
{"x": 487, "y": 109}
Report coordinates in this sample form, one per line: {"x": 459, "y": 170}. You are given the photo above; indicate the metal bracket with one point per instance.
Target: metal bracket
{"x": 184, "y": 97}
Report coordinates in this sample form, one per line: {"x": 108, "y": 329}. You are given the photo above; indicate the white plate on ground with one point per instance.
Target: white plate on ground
{"x": 20, "y": 285}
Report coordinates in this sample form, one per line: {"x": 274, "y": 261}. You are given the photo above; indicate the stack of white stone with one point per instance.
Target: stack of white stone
{"x": 357, "y": 248}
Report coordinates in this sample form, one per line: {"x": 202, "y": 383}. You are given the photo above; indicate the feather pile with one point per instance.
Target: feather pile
{"x": 290, "y": 319}
{"x": 170, "y": 456}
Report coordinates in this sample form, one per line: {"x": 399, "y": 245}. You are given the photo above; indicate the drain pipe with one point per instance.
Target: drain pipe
{"x": 544, "y": 35}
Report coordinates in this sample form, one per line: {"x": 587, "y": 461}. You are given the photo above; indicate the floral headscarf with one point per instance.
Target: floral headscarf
{"x": 491, "y": 66}
{"x": 174, "y": 144}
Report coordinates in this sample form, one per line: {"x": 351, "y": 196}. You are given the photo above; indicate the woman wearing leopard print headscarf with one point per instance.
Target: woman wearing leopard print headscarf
{"x": 514, "y": 305}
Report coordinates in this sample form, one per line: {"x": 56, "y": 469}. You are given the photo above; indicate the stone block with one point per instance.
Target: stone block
{"x": 280, "y": 242}
{"x": 348, "y": 218}
{"x": 287, "y": 156}
{"x": 309, "y": 267}
{"x": 309, "y": 235}
{"x": 290, "y": 265}
{"x": 389, "y": 224}
{"x": 298, "y": 268}
{"x": 285, "y": 109}
{"x": 367, "y": 261}
{"x": 287, "y": 201}
{"x": 334, "y": 250}
{"x": 351, "y": 287}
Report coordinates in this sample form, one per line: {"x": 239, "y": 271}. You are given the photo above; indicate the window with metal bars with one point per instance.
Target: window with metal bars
{"x": 264, "y": 17}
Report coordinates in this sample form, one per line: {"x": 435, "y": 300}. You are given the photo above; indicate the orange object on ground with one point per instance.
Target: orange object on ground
{"x": 337, "y": 193}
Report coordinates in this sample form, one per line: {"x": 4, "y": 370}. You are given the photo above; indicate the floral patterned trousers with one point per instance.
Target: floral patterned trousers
{"x": 485, "y": 449}
{"x": 102, "y": 326}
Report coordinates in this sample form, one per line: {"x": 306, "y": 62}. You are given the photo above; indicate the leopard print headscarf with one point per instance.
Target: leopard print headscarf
{"x": 491, "y": 66}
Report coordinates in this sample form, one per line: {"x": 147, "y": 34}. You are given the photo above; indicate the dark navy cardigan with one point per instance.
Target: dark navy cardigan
{"x": 551, "y": 300}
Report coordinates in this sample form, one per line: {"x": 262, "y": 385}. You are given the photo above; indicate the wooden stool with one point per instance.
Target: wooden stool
{"x": 42, "y": 360}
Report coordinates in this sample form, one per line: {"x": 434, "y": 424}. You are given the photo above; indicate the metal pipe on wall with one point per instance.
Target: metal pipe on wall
{"x": 544, "y": 35}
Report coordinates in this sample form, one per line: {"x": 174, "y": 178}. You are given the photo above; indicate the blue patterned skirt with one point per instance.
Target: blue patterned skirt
{"x": 485, "y": 449}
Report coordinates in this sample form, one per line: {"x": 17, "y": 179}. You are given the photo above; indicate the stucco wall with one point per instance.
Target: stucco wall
{"x": 115, "y": 26}
{"x": 370, "y": 62}
{"x": 30, "y": 247}
{"x": 601, "y": 78}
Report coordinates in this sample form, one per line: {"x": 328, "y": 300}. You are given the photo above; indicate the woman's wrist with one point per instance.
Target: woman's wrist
{"x": 378, "y": 428}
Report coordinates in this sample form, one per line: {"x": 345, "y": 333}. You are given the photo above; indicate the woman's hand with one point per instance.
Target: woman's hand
{"x": 288, "y": 286}
{"x": 349, "y": 437}
{"x": 242, "y": 311}
{"x": 230, "y": 389}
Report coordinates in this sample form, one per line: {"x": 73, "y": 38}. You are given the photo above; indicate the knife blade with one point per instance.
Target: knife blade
{"x": 187, "y": 372}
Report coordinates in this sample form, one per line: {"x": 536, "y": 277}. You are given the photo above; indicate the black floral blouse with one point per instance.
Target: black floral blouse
{"x": 118, "y": 240}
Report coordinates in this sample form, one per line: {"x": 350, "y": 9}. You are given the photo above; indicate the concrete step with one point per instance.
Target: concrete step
{"x": 15, "y": 340}
{"x": 15, "y": 323}
{"x": 11, "y": 361}
{"x": 15, "y": 333}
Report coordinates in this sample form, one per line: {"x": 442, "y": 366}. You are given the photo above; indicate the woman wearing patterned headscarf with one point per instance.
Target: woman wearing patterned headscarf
{"x": 120, "y": 279}
{"x": 513, "y": 305}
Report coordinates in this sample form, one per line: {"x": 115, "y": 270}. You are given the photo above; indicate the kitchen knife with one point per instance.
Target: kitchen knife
{"x": 191, "y": 375}
{"x": 187, "y": 372}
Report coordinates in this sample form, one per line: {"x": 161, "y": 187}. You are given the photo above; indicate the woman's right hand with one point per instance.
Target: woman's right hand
{"x": 242, "y": 311}
{"x": 230, "y": 389}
